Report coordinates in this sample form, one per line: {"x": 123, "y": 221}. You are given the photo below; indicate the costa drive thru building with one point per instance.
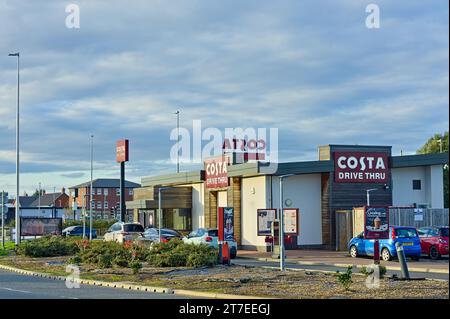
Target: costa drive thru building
{"x": 337, "y": 181}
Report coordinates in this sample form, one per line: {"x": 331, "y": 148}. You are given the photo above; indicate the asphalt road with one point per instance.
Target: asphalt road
{"x": 17, "y": 286}
{"x": 257, "y": 263}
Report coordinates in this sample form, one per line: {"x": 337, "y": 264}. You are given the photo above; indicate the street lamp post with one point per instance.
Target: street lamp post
{"x": 91, "y": 189}
{"x": 368, "y": 195}
{"x": 281, "y": 217}
{"x": 17, "y": 152}
{"x": 3, "y": 219}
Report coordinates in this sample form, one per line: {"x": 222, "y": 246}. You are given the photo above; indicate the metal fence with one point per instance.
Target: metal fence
{"x": 418, "y": 217}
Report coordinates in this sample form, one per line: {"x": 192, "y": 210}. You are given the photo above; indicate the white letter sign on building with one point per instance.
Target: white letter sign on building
{"x": 216, "y": 172}
{"x": 361, "y": 167}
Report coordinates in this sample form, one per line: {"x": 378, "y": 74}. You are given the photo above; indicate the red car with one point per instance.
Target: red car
{"x": 434, "y": 241}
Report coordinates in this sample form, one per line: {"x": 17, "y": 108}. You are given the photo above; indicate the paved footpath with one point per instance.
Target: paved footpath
{"x": 17, "y": 286}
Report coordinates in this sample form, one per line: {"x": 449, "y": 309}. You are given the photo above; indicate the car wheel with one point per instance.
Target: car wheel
{"x": 353, "y": 251}
{"x": 434, "y": 253}
{"x": 385, "y": 254}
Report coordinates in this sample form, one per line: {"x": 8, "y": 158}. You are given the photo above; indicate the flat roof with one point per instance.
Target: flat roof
{"x": 297, "y": 168}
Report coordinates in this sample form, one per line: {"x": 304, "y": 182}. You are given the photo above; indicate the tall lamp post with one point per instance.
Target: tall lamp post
{"x": 281, "y": 217}
{"x": 17, "y": 152}
{"x": 91, "y": 189}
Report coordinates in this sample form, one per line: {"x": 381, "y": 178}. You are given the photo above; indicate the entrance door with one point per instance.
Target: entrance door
{"x": 344, "y": 228}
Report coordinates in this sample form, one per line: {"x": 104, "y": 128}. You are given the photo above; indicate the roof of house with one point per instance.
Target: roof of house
{"x": 25, "y": 201}
{"x": 45, "y": 200}
{"x": 106, "y": 183}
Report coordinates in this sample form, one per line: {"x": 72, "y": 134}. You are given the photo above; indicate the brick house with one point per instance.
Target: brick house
{"x": 105, "y": 197}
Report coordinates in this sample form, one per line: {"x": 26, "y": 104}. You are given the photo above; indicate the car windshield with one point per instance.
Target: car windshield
{"x": 133, "y": 228}
{"x": 405, "y": 232}
{"x": 170, "y": 232}
{"x": 444, "y": 232}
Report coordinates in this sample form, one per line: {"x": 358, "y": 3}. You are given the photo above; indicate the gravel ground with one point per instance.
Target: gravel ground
{"x": 254, "y": 281}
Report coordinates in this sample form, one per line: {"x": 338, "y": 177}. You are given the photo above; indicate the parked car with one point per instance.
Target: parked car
{"x": 78, "y": 231}
{"x": 434, "y": 241}
{"x": 407, "y": 236}
{"x": 209, "y": 236}
{"x": 121, "y": 232}
{"x": 152, "y": 235}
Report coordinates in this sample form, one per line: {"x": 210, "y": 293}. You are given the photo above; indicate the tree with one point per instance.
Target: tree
{"x": 36, "y": 192}
{"x": 433, "y": 145}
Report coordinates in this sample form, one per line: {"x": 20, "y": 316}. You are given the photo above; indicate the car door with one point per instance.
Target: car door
{"x": 359, "y": 242}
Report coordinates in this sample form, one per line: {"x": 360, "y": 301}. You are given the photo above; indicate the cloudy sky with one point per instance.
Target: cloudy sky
{"x": 311, "y": 69}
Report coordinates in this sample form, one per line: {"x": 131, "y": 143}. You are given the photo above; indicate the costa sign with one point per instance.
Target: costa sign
{"x": 122, "y": 151}
{"x": 361, "y": 167}
{"x": 216, "y": 172}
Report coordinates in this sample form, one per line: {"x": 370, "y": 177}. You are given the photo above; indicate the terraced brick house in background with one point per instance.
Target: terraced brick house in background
{"x": 105, "y": 198}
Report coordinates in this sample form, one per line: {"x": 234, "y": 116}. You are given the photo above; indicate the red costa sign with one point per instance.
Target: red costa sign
{"x": 122, "y": 151}
{"x": 361, "y": 167}
{"x": 216, "y": 172}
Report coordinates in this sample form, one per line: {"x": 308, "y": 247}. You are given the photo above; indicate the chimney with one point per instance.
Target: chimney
{"x": 63, "y": 190}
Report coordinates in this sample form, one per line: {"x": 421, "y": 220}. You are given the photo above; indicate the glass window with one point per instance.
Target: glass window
{"x": 99, "y": 205}
{"x": 105, "y": 191}
{"x": 434, "y": 232}
{"x": 423, "y": 232}
{"x": 130, "y": 192}
{"x": 133, "y": 228}
{"x": 417, "y": 184}
{"x": 99, "y": 191}
{"x": 444, "y": 232}
{"x": 118, "y": 191}
{"x": 213, "y": 232}
{"x": 105, "y": 204}
{"x": 200, "y": 232}
{"x": 93, "y": 204}
{"x": 405, "y": 232}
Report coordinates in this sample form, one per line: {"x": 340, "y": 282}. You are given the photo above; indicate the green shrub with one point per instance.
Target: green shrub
{"x": 136, "y": 266}
{"x": 345, "y": 279}
{"x": 105, "y": 260}
{"x": 176, "y": 253}
{"x": 75, "y": 260}
{"x": 48, "y": 246}
{"x": 120, "y": 261}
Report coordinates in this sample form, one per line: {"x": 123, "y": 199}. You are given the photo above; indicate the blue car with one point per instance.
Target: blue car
{"x": 78, "y": 231}
{"x": 407, "y": 236}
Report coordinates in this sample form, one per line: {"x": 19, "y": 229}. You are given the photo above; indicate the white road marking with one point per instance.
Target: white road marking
{"x": 16, "y": 290}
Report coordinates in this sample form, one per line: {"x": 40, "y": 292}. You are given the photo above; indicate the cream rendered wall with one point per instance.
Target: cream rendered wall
{"x": 253, "y": 194}
{"x": 305, "y": 193}
{"x": 198, "y": 214}
{"x": 402, "y": 191}
{"x": 435, "y": 194}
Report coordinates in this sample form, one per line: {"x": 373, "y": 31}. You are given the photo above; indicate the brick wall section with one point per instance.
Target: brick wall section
{"x": 112, "y": 198}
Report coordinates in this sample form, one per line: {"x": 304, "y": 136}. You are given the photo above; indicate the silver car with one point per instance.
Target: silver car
{"x": 209, "y": 236}
{"x": 122, "y": 232}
